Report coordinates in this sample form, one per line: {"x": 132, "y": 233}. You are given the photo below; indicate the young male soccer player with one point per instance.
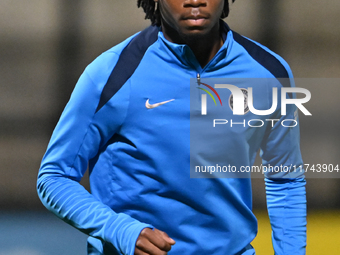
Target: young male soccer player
{"x": 128, "y": 119}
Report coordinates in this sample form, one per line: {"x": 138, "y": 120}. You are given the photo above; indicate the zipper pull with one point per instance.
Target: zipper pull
{"x": 198, "y": 79}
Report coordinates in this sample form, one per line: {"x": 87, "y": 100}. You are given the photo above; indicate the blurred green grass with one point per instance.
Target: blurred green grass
{"x": 323, "y": 233}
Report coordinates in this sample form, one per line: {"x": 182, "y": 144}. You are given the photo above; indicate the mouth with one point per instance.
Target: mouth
{"x": 195, "y": 19}
{"x": 196, "y": 22}
{"x": 195, "y": 16}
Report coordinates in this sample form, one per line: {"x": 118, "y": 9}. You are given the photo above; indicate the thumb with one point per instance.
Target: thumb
{"x": 167, "y": 238}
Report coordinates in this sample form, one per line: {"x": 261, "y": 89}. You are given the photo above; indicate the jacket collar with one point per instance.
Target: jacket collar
{"x": 186, "y": 56}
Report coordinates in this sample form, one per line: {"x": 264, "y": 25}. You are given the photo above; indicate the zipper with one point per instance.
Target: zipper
{"x": 198, "y": 77}
{"x": 202, "y": 98}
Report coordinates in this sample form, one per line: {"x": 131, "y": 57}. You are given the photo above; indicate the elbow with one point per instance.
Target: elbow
{"x": 47, "y": 180}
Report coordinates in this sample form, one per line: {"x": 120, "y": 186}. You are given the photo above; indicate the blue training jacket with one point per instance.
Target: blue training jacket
{"x": 139, "y": 158}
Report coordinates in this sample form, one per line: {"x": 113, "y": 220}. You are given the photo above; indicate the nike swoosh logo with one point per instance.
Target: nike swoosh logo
{"x": 151, "y": 106}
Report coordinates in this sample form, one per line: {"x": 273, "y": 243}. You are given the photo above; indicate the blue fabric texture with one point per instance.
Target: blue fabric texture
{"x": 138, "y": 158}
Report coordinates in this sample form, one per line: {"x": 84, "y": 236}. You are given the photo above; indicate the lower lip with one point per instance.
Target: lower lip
{"x": 196, "y": 22}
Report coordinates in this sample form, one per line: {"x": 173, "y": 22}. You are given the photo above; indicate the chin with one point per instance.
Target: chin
{"x": 194, "y": 34}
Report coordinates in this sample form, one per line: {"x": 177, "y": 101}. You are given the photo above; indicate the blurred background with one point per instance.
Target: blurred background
{"x": 46, "y": 44}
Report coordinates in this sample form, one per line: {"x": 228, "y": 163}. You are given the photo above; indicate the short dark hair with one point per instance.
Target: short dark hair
{"x": 155, "y": 16}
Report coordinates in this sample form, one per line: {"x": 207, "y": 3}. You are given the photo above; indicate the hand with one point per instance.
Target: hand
{"x": 153, "y": 242}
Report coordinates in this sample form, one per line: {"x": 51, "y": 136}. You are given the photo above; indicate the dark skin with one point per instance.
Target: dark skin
{"x": 196, "y": 24}
{"x": 153, "y": 242}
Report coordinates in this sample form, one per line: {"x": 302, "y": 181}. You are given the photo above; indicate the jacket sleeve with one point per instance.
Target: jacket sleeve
{"x": 77, "y": 138}
{"x": 285, "y": 184}
{"x": 286, "y": 202}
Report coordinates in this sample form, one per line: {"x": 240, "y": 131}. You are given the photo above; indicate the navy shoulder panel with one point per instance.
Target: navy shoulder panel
{"x": 264, "y": 58}
{"x": 127, "y": 63}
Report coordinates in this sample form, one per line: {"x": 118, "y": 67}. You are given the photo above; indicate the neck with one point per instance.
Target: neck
{"x": 203, "y": 46}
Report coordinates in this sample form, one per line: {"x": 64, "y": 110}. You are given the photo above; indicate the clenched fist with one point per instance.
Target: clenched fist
{"x": 153, "y": 242}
